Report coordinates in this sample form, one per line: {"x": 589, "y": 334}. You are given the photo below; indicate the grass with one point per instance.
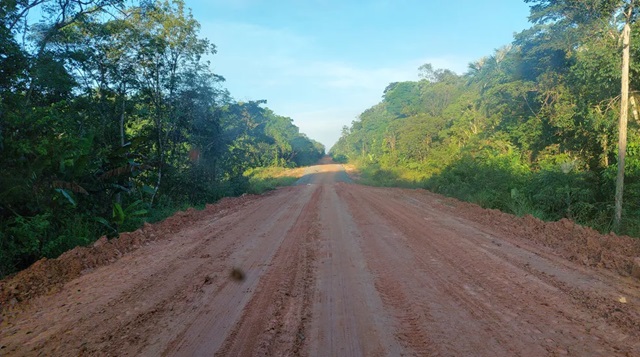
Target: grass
{"x": 374, "y": 175}
{"x": 487, "y": 191}
{"x": 270, "y": 178}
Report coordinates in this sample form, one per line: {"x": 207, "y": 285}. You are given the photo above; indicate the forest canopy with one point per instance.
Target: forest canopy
{"x": 530, "y": 129}
{"x": 110, "y": 116}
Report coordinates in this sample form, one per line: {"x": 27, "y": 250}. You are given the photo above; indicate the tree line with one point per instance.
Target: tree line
{"x": 531, "y": 129}
{"x": 110, "y": 116}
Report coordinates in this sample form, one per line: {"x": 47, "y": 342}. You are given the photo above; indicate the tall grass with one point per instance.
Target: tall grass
{"x": 270, "y": 178}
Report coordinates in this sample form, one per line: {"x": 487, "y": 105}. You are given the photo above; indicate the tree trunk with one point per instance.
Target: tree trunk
{"x": 122, "y": 135}
{"x": 157, "y": 103}
{"x": 122, "y": 142}
{"x": 622, "y": 126}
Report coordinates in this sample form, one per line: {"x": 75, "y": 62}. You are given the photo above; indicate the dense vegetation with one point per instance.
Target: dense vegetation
{"x": 109, "y": 116}
{"x": 531, "y": 129}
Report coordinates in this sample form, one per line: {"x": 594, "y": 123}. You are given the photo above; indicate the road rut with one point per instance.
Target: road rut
{"x": 332, "y": 269}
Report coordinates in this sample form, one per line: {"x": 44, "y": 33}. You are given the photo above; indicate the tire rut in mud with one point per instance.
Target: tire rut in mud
{"x": 274, "y": 321}
{"x": 453, "y": 272}
{"x": 340, "y": 269}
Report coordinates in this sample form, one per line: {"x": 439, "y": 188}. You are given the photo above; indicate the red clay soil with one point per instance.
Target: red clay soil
{"x": 333, "y": 269}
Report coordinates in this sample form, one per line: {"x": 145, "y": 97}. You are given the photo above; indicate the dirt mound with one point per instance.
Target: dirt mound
{"x": 48, "y": 275}
{"x": 568, "y": 239}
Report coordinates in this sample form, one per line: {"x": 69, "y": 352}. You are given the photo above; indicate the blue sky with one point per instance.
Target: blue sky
{"x": 323, "y": 62}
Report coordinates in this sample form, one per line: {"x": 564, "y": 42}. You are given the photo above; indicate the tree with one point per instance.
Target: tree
{"x": 427, "y": 73}
{"x": 530, "y": 128}
{"x": 579, "y": 20}
{"x": 106, "y": 109}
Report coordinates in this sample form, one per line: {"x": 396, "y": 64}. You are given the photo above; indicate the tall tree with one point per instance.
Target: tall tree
{"x": 107, "y": 108}
{"x": 579, "y": 20}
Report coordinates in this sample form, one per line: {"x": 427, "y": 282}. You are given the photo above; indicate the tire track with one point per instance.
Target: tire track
{"x": 274, "y": 321}
{"x": 498, "y": 308}
{"x": 349, "y": 318}
{"x": 332, "y": 270}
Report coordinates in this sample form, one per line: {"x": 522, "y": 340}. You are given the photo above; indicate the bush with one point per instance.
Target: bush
{"x": 260, "y": 180}
{"x": 564, "y": 194}
{"x": 340, "y": 159}
{"x": 76, "y": 231}
{"x": 25, "y": 237}
{"x": 484, "y": 179}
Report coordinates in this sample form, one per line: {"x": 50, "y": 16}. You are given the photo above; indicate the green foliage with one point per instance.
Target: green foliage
{"x": 122, "y": 218}
{"x": 75, "y": 231}
{"x": 259, "y": 138}
{"x": 487, "y": 176}
{"x": 522, "y": 205}
{"x": 529, "y": 129}
{"x": 28, "y": 235}
{"x": 563, "y": 193}
{"x": 109, "y": 117}
{"x": 340, "y": 158}
{"x": 261, "y": 180}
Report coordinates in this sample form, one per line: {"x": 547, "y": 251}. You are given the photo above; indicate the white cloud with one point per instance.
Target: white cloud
{"x": 321, "y": 94}
{"x": 325, "y": 125}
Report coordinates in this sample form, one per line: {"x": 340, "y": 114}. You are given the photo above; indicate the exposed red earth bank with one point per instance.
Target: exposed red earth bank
{"x": 331, "y": 268}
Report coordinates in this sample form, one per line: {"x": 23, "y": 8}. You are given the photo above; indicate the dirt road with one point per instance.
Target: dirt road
{"x": 330, "y": 269}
